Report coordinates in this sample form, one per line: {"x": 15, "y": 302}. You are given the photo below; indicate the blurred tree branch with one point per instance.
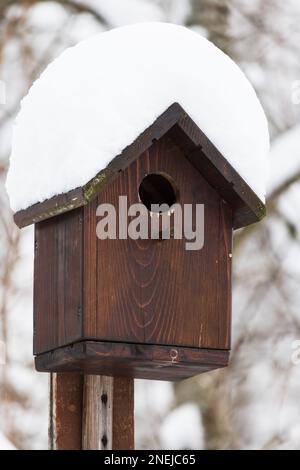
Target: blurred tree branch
{"x": 283, "y": 187}
{"x": 80, "y": 7}
{"x": 213, "y": 15}
{"x": 73, "y": 5}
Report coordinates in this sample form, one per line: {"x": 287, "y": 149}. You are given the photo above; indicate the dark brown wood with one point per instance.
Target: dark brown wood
{"x": 66, "y": 392}
{"x": 132, "y": 360}
{"x": 58, "y": 281}
{"x": 123, "y": 413}
{"x": 133, "y": 308}
{"x": 157, "y": 292}
{"x": 90, "y": 287}
{"x": 247, "y": 207}
{"x": 136, "y": 291}
{"x": 91, "y": 412}
{"x": 51, "y": 207}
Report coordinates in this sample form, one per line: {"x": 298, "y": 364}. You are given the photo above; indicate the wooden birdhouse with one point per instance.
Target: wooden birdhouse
{"x": 146, "y": 308}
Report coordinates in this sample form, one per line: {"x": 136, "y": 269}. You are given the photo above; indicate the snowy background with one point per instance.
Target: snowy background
{"x": 253, "y": 404}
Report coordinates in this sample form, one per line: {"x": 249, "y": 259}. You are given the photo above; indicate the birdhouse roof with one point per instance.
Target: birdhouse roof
{"x": 247, "y": 206}
{"x": 97, "y": 99}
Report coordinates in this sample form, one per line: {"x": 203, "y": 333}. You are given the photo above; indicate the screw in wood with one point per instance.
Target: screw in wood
{"x": 104, "y": 440}
{"x": 104, "y": 398}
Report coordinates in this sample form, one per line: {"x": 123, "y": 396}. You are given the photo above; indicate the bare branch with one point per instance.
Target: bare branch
{"x": 80, "y": 7}
{"x": 283, "y": 187}
{"x": 5, "y": 5}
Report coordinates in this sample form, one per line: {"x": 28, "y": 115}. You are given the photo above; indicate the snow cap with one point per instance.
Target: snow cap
{"x": 97, "y": 97}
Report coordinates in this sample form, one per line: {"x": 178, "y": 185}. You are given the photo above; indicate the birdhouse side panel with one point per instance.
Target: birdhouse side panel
{"x": 58, "y": 281}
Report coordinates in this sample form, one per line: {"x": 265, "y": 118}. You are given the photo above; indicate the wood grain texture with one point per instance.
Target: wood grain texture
{"x": 132, "y": 360}
{"x": 65, "y": 428}
{"x": 247, "y": 207}
{"x": 136, "y": 291}
{"x": 123, "y": 413}
{"x": 154, "y": 291}
{"x": 58, "y": 281}
{"x": 108, "y": 413}
{"x": 97, "y": 422}
{"x": 91, "y": 412}
{"x": 90, "y": 281}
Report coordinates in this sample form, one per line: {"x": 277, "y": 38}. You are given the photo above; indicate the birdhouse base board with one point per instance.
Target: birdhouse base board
{"x": 142, "y": 361}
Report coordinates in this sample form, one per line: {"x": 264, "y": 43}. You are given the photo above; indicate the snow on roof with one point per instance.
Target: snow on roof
{"x": 96, "y": 98}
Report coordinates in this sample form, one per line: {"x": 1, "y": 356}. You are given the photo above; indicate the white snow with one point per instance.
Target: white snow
{"x": 97, "y": 97}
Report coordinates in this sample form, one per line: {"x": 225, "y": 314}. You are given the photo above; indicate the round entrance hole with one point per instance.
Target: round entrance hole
{"x": 157, "y": 189}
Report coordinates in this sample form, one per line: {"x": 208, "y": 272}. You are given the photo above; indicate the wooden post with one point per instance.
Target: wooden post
{"x": 91, "y": 412}
{"x": 97, "y": 413}
{"x": 123, "y": 414}
{"x": 65, "y": 411}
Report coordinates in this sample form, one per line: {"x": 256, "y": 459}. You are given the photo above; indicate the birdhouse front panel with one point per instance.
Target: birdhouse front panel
{"x": 156, "y": 291}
